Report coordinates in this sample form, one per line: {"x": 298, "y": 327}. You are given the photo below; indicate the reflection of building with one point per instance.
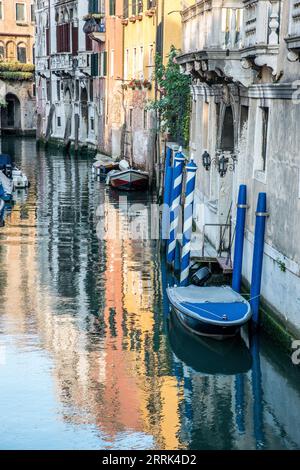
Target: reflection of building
{"x": 243, "y": 58}
{"x": 17, "y": 102}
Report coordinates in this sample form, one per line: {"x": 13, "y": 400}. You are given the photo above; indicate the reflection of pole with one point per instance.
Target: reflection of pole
{"x": 191, "y": 170}
{"x": 240, "y": 402}
{"x": 176, "y": 196}
{"x": 258, "y": 255}
{"x": 239, "y": 239}
{"x": 257, "y": 393}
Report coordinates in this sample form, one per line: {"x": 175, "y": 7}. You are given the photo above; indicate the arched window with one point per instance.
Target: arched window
{"x": 21, "y": 53}
{"x": 2, "y": 51}
{"x": 10, "y": 50}
{"x": 227, "y": 140}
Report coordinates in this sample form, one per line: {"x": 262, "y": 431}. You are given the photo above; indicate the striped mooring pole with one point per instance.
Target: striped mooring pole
{"x": 239, "y": 239}
{"x": 191, "y": 170}
{"x": 168, "y": 180}
{"x": 258, "y": 256}
{"x": 179, "y": 160}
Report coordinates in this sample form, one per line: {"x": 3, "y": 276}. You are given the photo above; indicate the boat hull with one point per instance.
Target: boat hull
{"x": 215, "y": 312}
{"x": 201, "y": 328}
{"x": 130, "y": 180}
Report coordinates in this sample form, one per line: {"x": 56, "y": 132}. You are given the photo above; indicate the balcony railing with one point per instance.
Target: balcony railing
{"x": 261, "y": 23}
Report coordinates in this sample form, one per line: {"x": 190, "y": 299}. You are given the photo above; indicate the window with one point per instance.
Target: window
{"x": 91, "y": 90}
{"x": 130, "y": 117}
{"x": 112, "y": 63}
{"x": 112, "y": 7}
{"x": 92, "y": 124}
{"x": 126, "y": 9}
{"x": 32, "y": 13}
{"x": 134, "y": 7}
{"x": 244, "y": 117}
{"x": 265, "y": 126}
{"x": 1, "y": 10}
{"x": 2, "y": 51}
{"x": 58, "y": 90}
{"x": 145, "y": 119}
{"x": 134, "y": 62}
{"x": 141, "y": 65}
{"x": 150, "y": 62}
{"x": 58, "y": 121}
{"x": 77, "y": 90}
{"x": 34, "y": 89}
{"x": 20, "y": 11}
{"x": 21, "y": 54}
{"x": 103, "y": 64}
{"x": 126, "y": 65}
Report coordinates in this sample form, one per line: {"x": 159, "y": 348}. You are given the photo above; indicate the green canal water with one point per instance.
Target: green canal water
{"x": 90, "y": 357}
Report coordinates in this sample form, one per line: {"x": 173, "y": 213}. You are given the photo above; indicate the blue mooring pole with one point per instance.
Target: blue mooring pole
{"x": 179, "y": 160}
{"x": 168, "y": 181}
{"x": 239, "y": 239}
{"x": 258, "y": 255}
{"x": 191, "y": 170}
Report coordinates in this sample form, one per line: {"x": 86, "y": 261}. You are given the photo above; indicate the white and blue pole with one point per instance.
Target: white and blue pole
{"x": 239, "y": 239}
{"x": 258, "y": 256}
{"x": 191, "y": 171}
{"x": 179, "y": 160}
{"x": 168, "y": 181}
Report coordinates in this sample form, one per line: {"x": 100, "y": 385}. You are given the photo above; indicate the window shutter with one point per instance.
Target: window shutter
{"x": 74, "y": 40}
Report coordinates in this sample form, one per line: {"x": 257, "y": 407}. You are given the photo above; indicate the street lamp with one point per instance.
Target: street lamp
{"x": 206, "y": 160}
{"x": 223, "y": 162}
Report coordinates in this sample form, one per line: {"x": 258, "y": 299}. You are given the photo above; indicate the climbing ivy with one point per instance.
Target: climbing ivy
{"x": 174, "y": 101}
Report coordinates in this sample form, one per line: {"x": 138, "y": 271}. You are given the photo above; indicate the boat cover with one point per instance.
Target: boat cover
{"x": 212, "y": 304}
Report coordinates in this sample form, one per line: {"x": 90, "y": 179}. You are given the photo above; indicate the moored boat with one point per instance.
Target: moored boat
{"x": 6, "y": 187}
{"x": 128, "y": 179}
{"x": 215, "y": 312}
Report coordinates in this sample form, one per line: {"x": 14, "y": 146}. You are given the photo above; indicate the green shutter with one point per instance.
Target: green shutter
{"x": 104, "y": 63}
{"x": 95, "y": 65}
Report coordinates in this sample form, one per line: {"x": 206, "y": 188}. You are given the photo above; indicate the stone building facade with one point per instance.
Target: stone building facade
{"x": 243, "y": 57}
{"x": 17, "y": 51}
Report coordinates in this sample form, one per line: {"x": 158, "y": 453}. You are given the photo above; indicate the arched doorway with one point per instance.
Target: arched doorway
{"x": 84, "y": 113}
{"x": 11, "y": 113}
{"x": 68, "y": 115}
{"x": 227, "y": 136}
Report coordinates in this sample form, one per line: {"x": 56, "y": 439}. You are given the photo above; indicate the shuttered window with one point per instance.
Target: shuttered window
{"x": 63, "y": 37}
{"x": 95, "y": 65}
{"x": 112, "y": 7}
{"x": 94, "y": 6}
{"x": 74, "y": 40}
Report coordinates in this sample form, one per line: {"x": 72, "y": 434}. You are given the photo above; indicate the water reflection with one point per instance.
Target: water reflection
{"x": 92, "y": 359}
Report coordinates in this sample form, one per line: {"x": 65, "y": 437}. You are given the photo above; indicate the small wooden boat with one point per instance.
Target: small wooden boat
{"x": 19, "y": 178}
{"x": 128, "y": 179}
{"x": 215, "y": 312}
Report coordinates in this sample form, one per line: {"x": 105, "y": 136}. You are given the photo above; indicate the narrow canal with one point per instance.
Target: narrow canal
{"x": 90, "y": 358}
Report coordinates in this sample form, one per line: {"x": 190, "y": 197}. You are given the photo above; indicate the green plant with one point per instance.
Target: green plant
{"x": 3, "y": 103}
{"x": 16, "y": 67}
{"x": 17, "y": 76}
{"x": 174, "y": 103}
{"x": 281, "y": 265}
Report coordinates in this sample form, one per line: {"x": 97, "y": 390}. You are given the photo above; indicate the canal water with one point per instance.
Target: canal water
{"x": 90, "y": 357}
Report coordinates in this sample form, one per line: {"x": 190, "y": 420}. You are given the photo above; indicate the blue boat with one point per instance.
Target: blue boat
{"x": 6, "y": 164}
{"x": 215, "y": 312}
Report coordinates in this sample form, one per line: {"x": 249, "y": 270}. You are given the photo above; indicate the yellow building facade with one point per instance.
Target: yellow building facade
{"x": 17, "y": 30}
{"x": 150, "y": 27}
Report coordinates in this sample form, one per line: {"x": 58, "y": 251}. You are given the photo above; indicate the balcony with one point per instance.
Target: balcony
{"x": 230, "y": 39}
{"x": 261, "y": 33}
{"x": 293, "y": 38}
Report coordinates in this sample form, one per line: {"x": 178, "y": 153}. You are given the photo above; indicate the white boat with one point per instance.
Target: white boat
{"x": 127, "y": 178}
{"x": 20, "y": 180}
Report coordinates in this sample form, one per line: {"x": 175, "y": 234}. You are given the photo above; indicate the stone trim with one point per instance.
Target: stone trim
{"x": 280, "y": 91}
